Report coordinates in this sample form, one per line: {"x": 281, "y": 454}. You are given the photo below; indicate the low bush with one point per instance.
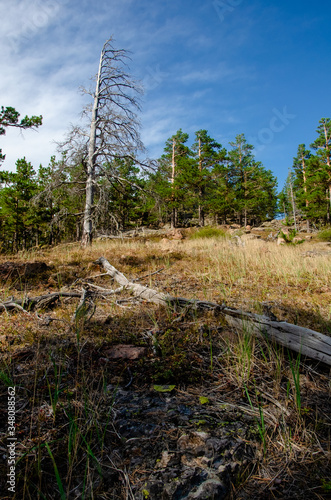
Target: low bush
{"x": 325, "y": 235}
{"x": 208, "y": 232}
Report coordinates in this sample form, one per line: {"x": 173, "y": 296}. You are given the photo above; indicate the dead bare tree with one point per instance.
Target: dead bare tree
{"x": 114, "y": 127}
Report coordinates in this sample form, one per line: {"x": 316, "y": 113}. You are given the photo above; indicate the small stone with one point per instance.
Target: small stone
{"x": 126, "y": 352}
{"x": 280, "y": 241}
{"x": 212, "y": 488}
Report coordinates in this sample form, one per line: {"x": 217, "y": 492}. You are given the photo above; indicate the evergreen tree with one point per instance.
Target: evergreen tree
{"x": 289, "y": 198}
{"x": 241, "y": 159}
{"x": 263, "y": 194}
{"x": 322, "y": 146}
{"x": 254, "y": 187}
{"x": 284, "y": 202}
{"x": 175, "y": 164}
{"x": 18, "y": 218}
{"x": 208, "y": 154}
{"x": 317, "y": 192}
{"x": 221, "y": 196}
{"x": 9, "y": 117}
{"x": 301, "y": 168}
{"x": 120, "y": 203}
{"x": 61, "y": 200}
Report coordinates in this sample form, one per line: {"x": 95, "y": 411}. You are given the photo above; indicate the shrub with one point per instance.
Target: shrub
{"x": 208, "y": 232}
{"x": 290, "y": 237}
{"x": 325, "y": 235}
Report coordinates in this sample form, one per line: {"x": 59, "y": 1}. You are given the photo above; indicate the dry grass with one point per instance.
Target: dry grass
{"x": 63, "y": 384}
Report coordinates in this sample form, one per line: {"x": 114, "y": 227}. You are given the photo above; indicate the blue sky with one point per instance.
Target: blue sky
{"x": 228, "y": 66}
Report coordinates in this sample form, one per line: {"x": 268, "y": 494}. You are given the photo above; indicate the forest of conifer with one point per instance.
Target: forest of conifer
{"x": 186, "y": 186}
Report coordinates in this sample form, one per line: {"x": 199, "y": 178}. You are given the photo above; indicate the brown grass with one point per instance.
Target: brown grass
{"x": 58, "y": 368}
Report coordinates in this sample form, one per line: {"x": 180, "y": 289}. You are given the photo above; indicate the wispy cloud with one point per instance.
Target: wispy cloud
{"x": 198, "y": 72}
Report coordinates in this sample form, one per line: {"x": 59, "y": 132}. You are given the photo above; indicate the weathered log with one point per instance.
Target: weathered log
{"x": 42, "y": 301}
{"x": 308, "y": 342}
{"x": 141, "y": 291}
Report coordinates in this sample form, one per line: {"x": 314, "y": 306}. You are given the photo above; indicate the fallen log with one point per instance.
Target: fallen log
{"x": 40, "y": 302}
{"x": 308, "y": 342}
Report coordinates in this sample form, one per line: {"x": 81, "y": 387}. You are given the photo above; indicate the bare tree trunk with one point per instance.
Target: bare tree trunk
{"x": 87, "y": 222}
{"x": 201, "y": 212}
{"x": 305, "y": 189}
{"x": 77, "y": 231}
{"x": 293, "y": 204}
{"x": 173, "y": 212}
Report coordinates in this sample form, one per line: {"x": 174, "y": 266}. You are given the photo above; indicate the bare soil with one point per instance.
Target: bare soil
{"x": 200, "y": 412}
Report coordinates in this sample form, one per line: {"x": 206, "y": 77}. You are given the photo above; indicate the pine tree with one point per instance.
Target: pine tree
{"x": 288, "y": 198}
{"x": 175, "y": 164}
{"x": 221, "y": 195}
{"x": 317, "y": 192}
{"x": 19, "y": 221}
{"x": 120, "y": 202}
{"x": 322, "y": 146}
{"x": 9, "y": 117}
{"x": 208, "y": 154}
{"x": 254, "y": 186}
{"x": 300, "y": 182}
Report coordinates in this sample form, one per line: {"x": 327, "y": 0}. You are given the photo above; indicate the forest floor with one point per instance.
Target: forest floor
{"x": 131, "y": 400}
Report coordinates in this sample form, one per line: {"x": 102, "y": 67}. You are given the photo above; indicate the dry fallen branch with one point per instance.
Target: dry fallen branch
{"x": 308, "y": 342}
{"x": 40, "y": 302}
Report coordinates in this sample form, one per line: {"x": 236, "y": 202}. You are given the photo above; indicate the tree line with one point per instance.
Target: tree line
{"x": 307, "y": 191}
{"x": 100, "y": 184}
{"x": 185, "y": 186}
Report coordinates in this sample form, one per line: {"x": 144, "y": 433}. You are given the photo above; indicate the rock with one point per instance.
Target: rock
{"x": 280, "y": 241}
{"x": 212, "y": 488}
{"x": 166, "y": 457}
{"x": 192, "y": 441}
{"x": 236, "y": 240}
{"x": 248, "y": 237}
{"x": 125, "y": 352}
{"x": 176, "y": 234}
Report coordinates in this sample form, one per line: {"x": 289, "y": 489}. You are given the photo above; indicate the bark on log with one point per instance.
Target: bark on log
{"x": 42, "y": 301}
{"x": 308, "y": 342}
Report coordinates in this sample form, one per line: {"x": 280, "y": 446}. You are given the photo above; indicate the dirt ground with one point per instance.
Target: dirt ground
{"x": 128, "y": 399}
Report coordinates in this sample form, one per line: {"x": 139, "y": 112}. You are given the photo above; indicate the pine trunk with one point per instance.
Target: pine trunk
{"x": 173, "y": 212}
{"x": 293, "y": 205}
{"x": 87, "y": 222}
{"x": 201, "y": 212}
